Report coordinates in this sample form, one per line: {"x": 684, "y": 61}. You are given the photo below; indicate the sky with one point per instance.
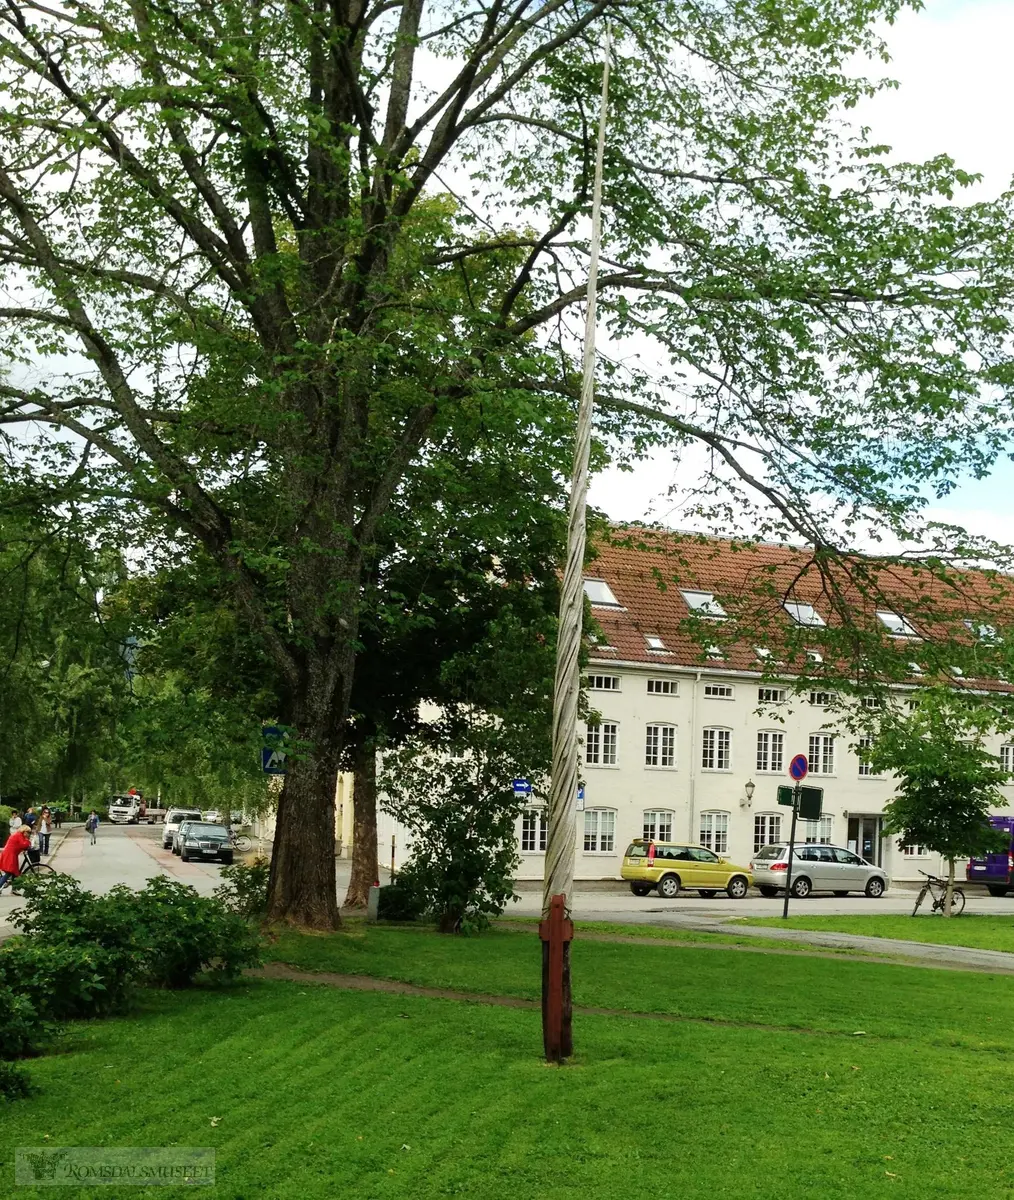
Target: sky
{"x": 952, "y": 61}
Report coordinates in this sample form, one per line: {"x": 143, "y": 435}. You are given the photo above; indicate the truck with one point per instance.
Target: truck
{"x": 129, "y": 808}
{"x": 995, "y": 870}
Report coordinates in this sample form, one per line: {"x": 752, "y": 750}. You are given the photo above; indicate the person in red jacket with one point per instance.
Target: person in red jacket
{"x": 10, "y": 855}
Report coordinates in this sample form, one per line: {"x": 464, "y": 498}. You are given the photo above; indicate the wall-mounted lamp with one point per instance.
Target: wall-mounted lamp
{"x": 749, "y": 788}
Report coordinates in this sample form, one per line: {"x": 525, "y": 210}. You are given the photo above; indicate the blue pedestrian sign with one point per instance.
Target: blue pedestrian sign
{"x": 799, "y": 767}
{"x": 580, "y": 791}
{"x": 273, "y": 753}
{"x": 522, "y": 787}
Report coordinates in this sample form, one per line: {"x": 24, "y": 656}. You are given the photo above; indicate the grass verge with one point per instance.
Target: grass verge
{"x": 978, "y": 932}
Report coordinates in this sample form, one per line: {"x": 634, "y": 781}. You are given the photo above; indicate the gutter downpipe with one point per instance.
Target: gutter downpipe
{"x": 693, "y": 754}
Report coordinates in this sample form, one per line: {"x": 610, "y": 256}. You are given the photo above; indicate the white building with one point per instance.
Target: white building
{"x": 693, "y": 744}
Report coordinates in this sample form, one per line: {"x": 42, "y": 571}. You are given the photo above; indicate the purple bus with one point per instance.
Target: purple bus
{"x": 996, "y": 871}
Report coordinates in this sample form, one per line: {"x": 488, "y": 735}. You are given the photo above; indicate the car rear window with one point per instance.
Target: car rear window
{"x": 769, "y": 852}
{"x": 637, "y": 850}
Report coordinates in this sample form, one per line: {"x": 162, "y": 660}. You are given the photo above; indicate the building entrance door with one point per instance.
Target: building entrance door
{"x": 864, "y": 838}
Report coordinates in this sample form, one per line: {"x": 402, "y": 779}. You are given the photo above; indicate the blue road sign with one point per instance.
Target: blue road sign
{"x": 522, "y": 787}
{"x": 799, "y": 767}
{"x": 580, "y": 791}
{"x": 273, "y": 754}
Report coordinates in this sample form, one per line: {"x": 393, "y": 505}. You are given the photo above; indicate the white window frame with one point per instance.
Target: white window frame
{"x": 534, "y": 828}
{"x": 804, "y": 614}
{"x": 599, "y": 830}
{"x": 915, "y": 852}
{"x": 769, "y": 695}
{"x": 824, "y": 764}
{"x": 865, "y": 766}
{"x": 609, "y": 601}
{"x": 596, "y": 744}
{"x": 888, "y": 619}
{"x": 770, "y": 751}
{"x": 771, "y": 823}
{"x": 656, "y": 824}
{"x": 821, "y": 699}
{"x": 819, "y": 832}
{"x": 1007, "y": 757}
{"x": 714, "y": 830}
{"x": 657, "y": 734}
{"x": 716, "y": 743}
{"x": 663, "y": 687}
{"x": 704, "y": 604}
{"x": 597, "y": 683}
{"x": 719, "y": 691}
{"x": 656, "y": 644}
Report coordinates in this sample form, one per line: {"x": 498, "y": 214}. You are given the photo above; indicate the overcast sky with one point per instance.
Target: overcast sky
{"x": 953, "y": 61}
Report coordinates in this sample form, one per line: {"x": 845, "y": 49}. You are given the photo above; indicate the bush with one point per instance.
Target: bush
{"x": 183, "y": 934}
{"x": 62, "y": 981}
{"x": 15, "y": 1084}
{"x": 401, "y": 901}
{"x": 58, "y": 909}
{"x": 245, "y": 890}
{"x": 21, "y": 1032}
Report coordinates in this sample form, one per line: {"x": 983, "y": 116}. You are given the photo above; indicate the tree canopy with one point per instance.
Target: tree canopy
{"x": 262, "y": 262}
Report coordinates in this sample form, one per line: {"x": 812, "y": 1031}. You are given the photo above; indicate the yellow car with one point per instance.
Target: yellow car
{"x": 671, "y": 866}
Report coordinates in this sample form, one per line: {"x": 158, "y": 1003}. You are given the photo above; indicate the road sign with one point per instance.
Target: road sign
{"x": 580, "y": 797}
{"x": 785, "y": 795}
{"x": 522, "y": 787}
{"x": 273, "y": 755}
{"x": 799, "y": 767}
{"x": 811, "y": 801}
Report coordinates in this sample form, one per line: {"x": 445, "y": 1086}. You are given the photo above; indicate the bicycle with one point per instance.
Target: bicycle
{"x": 937, "y": 888}
{"x": 40, "y": 870}
{"x": 240, "y": 842}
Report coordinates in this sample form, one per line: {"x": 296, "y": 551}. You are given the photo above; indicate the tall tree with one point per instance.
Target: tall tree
{"x": 230, "y": 212}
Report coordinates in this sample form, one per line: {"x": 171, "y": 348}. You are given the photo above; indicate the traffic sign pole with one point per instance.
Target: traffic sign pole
{"x": 792, "y": 850}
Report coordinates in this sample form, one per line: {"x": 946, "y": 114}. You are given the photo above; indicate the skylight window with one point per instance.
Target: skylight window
{"x": 957, "y": 672}
{"x": 914, "y": 669}
{"x": 714, "y": 652}
{"x": 704, "y": 604}
{"x": 804, "y": 614}
{"x": 895, "y": 624}
{"x": 600, "y": 593}
{"x": 762, "y": 652}
{"x": 814, "y": 656}
{"x": 985, "y": 633}
{"x": 655, "y": 642}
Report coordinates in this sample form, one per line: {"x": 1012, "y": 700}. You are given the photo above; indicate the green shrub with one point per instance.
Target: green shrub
{"x": 245, "y": 890}
{"x": 183, "y": 934}
{"x": 58, "y": 909}
{"x": 401, "y": 902}
{"x": 21, "y": 1032}
{"x": 63, "y": 981}
{"x": 15, "y": 1083}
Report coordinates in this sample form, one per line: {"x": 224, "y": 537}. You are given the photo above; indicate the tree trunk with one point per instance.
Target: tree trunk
{"x": 949, "y": 895}
{"x": 364, "y": 828}
{"x": 302, "y": 889}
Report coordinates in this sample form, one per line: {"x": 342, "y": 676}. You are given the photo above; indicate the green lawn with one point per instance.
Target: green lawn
{"x": 980, "y": 932}
{"x": 332, "y": 1094}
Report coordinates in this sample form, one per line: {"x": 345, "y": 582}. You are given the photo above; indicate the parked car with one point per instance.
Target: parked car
{"x": 995, "y": 870}
{"x": 214, "y": 817}
{"x": 172, "y": 823}
{"x": 203, "y": 841}
{"x": 816, "y": 867}
{"x": 668, "y": 867}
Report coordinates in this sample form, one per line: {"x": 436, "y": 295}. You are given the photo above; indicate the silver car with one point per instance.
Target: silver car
{"x": 173, "y": 819}
{"x": 816, "y": 867}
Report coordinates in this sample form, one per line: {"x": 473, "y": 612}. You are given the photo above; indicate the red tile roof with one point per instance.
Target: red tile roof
{"x": 647, "y": 570}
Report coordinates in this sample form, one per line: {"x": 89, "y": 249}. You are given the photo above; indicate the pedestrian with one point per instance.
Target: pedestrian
{"x": 92, "y": 824}
{"x": 45, "y": 828}
{"x": 31, "y": 821}
{"x": 10, "y": 856}
{"x": 58, "y": 818}
{"x": 15, "y": 821}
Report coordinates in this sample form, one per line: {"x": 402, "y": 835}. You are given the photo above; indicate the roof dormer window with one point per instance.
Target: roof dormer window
{"x": 804, "y": 614}
{"x": 600, "y": 594}
{"x": 654, "y": 642}
{"x": 895, "y": 624}
{"x": 704, "y": 604}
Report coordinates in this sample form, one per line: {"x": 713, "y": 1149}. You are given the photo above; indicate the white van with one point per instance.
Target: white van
{"x": 173, "y": 819}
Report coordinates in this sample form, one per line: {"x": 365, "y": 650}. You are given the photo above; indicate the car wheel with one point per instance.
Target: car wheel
{"x": 737, "y": 888}
{"x": 640, "y": 889}
{"x": 184, "y": 857}
{"x": 801, "y": 887}
{"x": 995, "y": 890}
{"x": 707, "y": 893}
{"x": 840, "y": 894}
{"x": 767, "y": 890}
{"x": 669, "y": 887}
{"x": 875, "y": 888}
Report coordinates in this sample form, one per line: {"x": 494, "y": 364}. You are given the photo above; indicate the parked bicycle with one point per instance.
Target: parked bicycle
{"x": 240, "y": 842}
{"x": 937, "y": 888}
